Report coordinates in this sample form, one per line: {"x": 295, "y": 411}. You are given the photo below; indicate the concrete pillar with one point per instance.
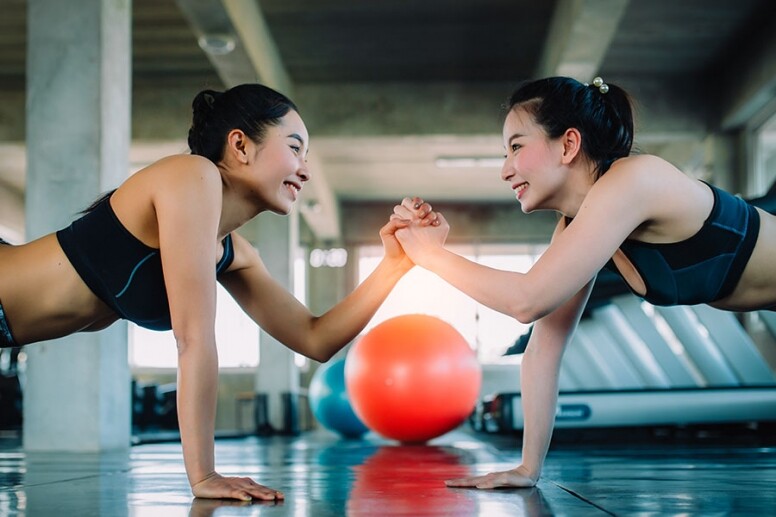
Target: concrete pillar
{"x": 277, "y": 377}
{"x": 77, "y": 395}
{"x": 326, "y": 286}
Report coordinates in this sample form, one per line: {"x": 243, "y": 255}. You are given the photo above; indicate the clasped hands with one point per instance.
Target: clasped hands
{"x": 419, "y": 230}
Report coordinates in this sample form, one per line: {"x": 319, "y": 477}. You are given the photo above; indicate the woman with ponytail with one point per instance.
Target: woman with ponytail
{"x": 152, "y": 250}
{"x": 673, "y": 239}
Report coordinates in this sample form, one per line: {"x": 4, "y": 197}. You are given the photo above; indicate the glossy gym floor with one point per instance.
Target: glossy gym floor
{"x": 695, "y": 473}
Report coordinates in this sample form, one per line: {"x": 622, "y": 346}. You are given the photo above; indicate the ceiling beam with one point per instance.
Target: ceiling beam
{"x": 218, "y": 38}
{"x": 248, "y": 20}
{"x": 579, "y": 36}
{"x": 347, "y": 109}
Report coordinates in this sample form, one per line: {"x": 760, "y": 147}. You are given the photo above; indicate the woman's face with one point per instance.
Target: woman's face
{"x": 281, "y": 164}
{"x": 531, "y": 165}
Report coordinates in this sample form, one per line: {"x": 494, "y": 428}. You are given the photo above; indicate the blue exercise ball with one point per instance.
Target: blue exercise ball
{"x": 329, "y": 401}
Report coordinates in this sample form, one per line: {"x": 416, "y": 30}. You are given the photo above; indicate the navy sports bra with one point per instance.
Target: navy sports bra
{"x": 121, "y": 270}
{"x": 707, "y": 266}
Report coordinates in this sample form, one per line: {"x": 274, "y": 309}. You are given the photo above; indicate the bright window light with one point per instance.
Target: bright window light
{"x": 237, "y": 337}
{"x": 488, "y": 332}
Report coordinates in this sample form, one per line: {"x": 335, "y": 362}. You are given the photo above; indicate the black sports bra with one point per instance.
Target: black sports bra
{"x": 705, "y": 267}
{"x": 121, "y": 270}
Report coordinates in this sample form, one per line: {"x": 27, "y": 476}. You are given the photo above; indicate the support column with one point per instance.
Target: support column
{"x": 277, "y": 377}
{"x": 77, "y": 393}
{"x": 327, "y": 284}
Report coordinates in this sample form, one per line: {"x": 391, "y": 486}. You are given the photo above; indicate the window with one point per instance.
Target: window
{"x": 488, "y": 332}
{"x": 236, "y": 334}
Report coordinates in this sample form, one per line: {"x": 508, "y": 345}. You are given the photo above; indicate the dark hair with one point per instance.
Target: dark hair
{"x": 605, "y": 120}
{"x": 103, "y": 197}
{"x": 248, "y": 107}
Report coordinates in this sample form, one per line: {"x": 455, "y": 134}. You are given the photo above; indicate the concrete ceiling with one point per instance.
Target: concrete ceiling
{"x": 393, "y": 91}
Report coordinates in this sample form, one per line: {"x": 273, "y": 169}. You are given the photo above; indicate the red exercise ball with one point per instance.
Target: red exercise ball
{"x": 412, "y": 378}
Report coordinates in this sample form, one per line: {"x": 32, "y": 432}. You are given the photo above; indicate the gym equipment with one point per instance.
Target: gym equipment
{"x": 330, "y": 403}
{"x": 154, "y": 407}
{"x": 412, "y": 378}
{"x": 634, "y": 364}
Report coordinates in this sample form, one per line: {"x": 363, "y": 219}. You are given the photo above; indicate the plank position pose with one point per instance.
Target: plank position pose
{"x": 673, "y": 239}
{"x": 152, "y": 250}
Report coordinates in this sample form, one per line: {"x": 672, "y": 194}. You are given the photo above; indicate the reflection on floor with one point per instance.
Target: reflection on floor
{"x": 322, "y": 475}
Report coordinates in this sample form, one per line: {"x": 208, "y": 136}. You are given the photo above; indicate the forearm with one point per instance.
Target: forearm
{"x": 504, "y": 291}
{"x": 338, "y": 326}
{"x": 539, "y": 396}
{"x": 197, "y": 393}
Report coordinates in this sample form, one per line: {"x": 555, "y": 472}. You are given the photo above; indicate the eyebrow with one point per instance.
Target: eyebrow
{"x": 301, "y": 141}
{"x": 516, "y": 135}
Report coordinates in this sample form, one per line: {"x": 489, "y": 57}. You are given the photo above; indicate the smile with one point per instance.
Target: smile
{"x": 293, "y": 188}
{"x": 519, "y": 189}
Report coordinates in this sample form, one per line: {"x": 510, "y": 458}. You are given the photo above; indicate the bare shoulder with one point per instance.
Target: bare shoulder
{"x": 640, "y": 175}
{"x": 173, "y": 174}
{"x": 641, "y": 167}
{"x": 641, "y": 162}
{"x": 639, "y": 189}
{"x": 186, "y": 187}
{"x": 182, "y": 168}
{"x": 179, "y": 180}
{"x": 187, "y": 161}
{"x": 671, "y": 204}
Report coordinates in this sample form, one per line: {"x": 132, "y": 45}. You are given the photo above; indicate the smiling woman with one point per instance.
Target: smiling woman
{"x": 673, "y": 239}
{"x": 153, "y": 250}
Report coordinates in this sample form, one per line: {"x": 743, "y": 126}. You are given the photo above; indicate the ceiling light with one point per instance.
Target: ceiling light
{"x": 217, "y": 44}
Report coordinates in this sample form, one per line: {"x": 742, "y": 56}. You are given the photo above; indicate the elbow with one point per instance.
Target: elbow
{"x": 194, "y": 344}
{"x": 182, "y": 345}
{"x": 318, "y": 351}
{"x": 526, "y": 318}
{"x": 321, "y": 357}
{"x": 527, "y": 313}
{"x": 318, "y": 344}
{"x": 527, "y": 303}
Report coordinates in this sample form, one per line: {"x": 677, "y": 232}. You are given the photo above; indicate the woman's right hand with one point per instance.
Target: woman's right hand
{"x": 216, "y": 486}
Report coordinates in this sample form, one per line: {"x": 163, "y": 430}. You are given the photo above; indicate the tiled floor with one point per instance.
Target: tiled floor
{"x": 322, "y": 475}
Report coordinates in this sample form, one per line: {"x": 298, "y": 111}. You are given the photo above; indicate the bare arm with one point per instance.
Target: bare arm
{"x": 188, "y": 207}
{"x": 611, "y": 211}
{"x": 539, "y": 372}
{"x": 290, "y": 322}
